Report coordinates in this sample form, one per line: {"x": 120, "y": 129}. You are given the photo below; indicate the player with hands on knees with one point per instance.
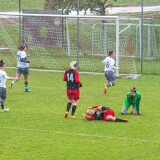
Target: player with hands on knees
{"x": 133, "y": 98}
{"x": 73, "y": 84}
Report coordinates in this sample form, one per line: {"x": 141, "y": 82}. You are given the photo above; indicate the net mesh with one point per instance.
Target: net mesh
{"x": 52, "y": 42}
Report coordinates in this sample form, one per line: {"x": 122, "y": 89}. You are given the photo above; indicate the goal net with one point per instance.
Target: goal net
{"x": 55, "y": 40}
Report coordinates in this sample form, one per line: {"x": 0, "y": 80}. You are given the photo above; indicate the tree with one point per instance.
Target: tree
{"x": 98, "y": 6}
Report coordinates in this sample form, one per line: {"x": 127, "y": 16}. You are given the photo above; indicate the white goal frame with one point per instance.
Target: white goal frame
{"x": 116, "y": 18}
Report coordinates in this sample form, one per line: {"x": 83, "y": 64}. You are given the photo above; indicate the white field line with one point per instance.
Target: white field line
{"x": 80, "y": 134}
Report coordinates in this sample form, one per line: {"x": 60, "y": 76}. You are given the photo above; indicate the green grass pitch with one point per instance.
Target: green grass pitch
{"x": 35, "y": 127}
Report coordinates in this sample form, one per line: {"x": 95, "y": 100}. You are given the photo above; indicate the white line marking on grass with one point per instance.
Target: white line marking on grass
{"x": 80, "y": 134}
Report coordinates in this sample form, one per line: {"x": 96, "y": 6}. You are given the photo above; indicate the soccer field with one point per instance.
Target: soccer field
{"x": 35, "y": 127}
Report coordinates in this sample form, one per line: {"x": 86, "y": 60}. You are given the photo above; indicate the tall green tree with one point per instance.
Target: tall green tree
{"x": 98, "y": 6}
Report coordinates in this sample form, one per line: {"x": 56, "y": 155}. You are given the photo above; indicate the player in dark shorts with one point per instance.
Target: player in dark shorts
{"x": 102, "y": 113}
{"x": 3, "y": 78}
{"x": 73, "y": 84}
{"x": 22, "y": 67}
{"x": 109, "y": 71}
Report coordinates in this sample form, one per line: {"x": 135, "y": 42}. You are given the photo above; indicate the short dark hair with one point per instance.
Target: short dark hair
{"x": 22, "y": 47}
{"x": 133, "y": 90}
{"x": 1, "y": 63}
{"x": 110, "y": 53}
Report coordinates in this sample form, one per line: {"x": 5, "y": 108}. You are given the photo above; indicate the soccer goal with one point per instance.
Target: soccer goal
{"x": 54, "y": 40}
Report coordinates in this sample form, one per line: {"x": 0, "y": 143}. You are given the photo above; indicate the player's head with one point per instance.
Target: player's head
{"x": 2, "y": 64}
{"x": 111, "y": 54}
{"x": 134, "y": 87}
{"x": 22, "y": 48}
{"x": 132, "y": 92}
{"x": 74, "y": 65}
{"x": 90, "y": 112}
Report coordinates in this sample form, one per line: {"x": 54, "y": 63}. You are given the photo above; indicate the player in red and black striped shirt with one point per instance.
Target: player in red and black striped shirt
{"x": 102, "y": 113}
{"x": 73, "y": 84}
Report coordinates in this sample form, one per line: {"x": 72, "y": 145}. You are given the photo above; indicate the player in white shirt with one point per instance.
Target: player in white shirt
{"x": 3, "y": 77}
{"x": 109, "y": 70}
{"x": 22, "y": 67}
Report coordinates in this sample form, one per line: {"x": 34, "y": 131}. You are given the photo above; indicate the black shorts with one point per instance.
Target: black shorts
{"x": 25, "y": 71}
{"x": 3, "y": 93}
{"x": 110, "y": 76}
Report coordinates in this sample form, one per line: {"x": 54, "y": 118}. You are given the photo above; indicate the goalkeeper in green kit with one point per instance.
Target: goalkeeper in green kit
{"x": 133, "y": 98}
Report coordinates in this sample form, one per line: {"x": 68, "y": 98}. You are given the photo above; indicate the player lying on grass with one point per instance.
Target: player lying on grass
{"x": 73, "y": 84}
{"x": 109, "y": 70}
{"x": 133, "y": 98}
{"x": 3, "y": 77}
{"x": 102, "y": 113}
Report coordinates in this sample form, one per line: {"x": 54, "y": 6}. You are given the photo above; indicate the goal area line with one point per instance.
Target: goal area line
{"x": 85, "y": 73}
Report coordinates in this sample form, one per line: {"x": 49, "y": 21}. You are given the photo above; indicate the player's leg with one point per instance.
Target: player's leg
{"x": 74, "y": 109}
{"x": 26, "y": 73}
{"x": 125, "y": 107}
{"x": 69, "y": 104}
{"x": 111, "y": 118}
{"x": 70, "y": 101}
{"x": 75, "y": 99}
{"x": 2, "y": 99}
{"x": 112, "y": 79}
{"x": 124, "y": 110}
{"x": 105, "y": 85}
{"x": 18, "y": 74}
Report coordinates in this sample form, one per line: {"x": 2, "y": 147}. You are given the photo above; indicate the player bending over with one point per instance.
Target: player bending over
{"x": 109, "y": 70}
{"x": 73, "y": 84}
{"x": 133, "y": 98}
{"x": 3, "y": 77}
{"x": 102, "y": 113}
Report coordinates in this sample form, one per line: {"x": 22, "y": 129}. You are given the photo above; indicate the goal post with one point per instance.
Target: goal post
{"x": 50, "y": 50}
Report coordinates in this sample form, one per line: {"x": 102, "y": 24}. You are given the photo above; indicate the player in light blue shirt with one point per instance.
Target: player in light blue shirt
{"x": 22, "y": 67}
{"x": 3, "y": 78}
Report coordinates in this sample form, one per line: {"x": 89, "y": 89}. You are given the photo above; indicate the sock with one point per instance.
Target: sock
{"x": 110, "y": 84}
{"x": 2, "y": 105}
{"x": 14, "y": 81}
{"x": 68, "y": 106}
{"x": 119, "y": 120}
{"x": 73, "y": 109}
{"x": 26, "y": 85}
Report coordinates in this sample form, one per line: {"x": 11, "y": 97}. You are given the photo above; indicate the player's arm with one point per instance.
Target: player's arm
{"x": 77, "y": 78}
{"x": 88, "y": 118}
{"x": 10, "y": 78}
{"x": 94, "y": 107}
{"x": 13, "y": 78}
{"x": 137, "y": 103}
{"x": 64, "y": 77}
{"x": 26, "y": 61}
{"x": 104, "y": 61}
{"x": 23, "y": 56}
